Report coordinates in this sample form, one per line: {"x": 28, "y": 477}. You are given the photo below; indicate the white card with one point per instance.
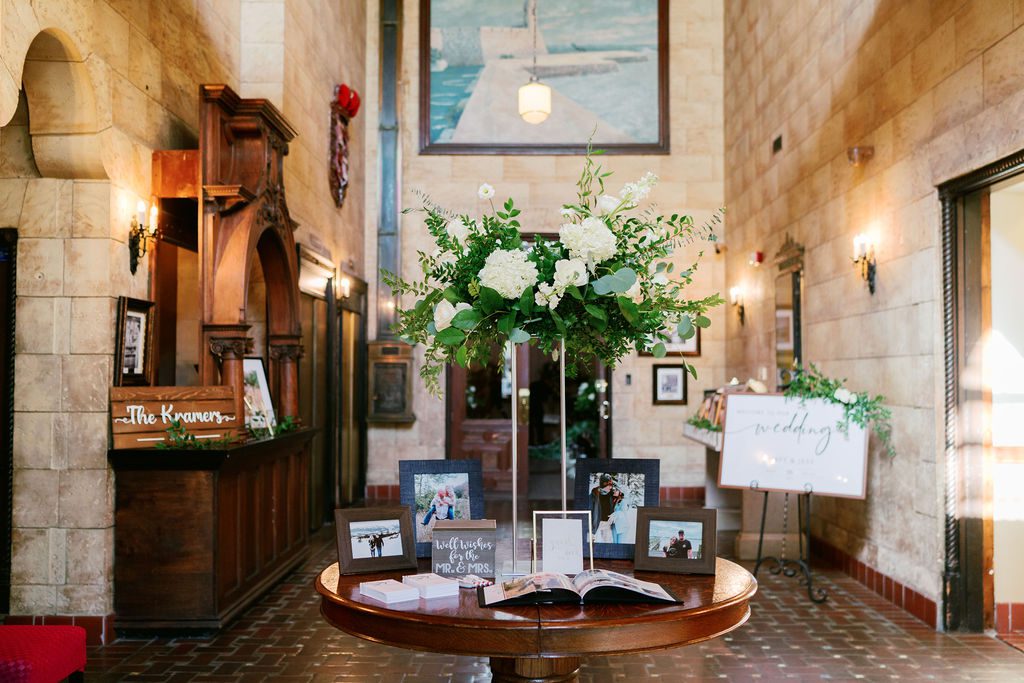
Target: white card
{"x": 562, "y": 545}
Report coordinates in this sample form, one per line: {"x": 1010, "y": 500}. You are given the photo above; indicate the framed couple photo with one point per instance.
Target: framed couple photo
{"x": 374, "y": 539}
{"x": 613, "y": 491}
{"x": 439, "y": 489}
{"x": 677, "y": 540}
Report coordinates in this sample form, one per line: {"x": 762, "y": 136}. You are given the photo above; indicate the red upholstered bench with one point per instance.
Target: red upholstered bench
{"x": 42, "y": 654}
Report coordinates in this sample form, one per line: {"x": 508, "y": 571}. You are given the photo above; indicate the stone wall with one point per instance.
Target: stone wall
{"x": 108, "y": 82}
{"x": 937, "y": 89}
{"x": 691, "y": 182}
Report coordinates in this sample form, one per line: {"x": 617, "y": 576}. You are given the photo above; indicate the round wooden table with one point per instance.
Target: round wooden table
{"x": 543, "y": 642}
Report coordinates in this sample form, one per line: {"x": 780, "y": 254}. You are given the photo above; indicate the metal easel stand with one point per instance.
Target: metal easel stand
{"x": 783, "y": 565}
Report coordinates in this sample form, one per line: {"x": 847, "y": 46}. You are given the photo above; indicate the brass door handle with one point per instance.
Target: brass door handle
{"x": 606, "y": 410}
{"x": 524, "y": 406}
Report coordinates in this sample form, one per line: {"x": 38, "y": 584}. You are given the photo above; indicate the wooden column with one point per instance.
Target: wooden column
{"x": 229, "y": 345}
{"x": 285, "y": 352}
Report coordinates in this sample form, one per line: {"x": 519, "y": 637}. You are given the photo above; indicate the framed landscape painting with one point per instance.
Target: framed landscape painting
{"x": 606, "y": 62}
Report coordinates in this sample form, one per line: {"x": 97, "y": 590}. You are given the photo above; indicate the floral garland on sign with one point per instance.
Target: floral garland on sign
{"x": 859, "y": 408}
{"x": 604, "y": 287}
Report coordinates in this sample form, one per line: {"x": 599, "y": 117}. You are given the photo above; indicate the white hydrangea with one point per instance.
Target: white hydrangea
{"x": 508, "y": 272}
{"x": 457, "y": 230}
{"x": 589, "y": 241}
{"x": 570, "y": 272}
{"x": 547, "y": 295}
{"x": 844, "y": 395}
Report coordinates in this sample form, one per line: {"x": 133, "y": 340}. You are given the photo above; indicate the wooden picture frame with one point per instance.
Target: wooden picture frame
{"x": 668, "y": 385}
{"x": 657, "y": 548}
{"x": 416, "y": 477}
{"x": 688, "y": 348}
{"x": 133, "y": 348}
{"x": 357, "y": 527}
{"x": 426, "y": 66}
{"x": 639, "y": 479}
{"x": 259, "y": 405}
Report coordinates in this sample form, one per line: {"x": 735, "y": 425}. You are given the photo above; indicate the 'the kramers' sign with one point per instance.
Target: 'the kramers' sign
{"x": 140, "y": 416}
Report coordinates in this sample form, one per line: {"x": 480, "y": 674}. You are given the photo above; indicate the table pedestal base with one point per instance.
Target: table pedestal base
{"x": 535, "y": 669}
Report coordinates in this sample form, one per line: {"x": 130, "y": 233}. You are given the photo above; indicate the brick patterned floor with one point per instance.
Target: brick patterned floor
{"x": 854, "y": 636}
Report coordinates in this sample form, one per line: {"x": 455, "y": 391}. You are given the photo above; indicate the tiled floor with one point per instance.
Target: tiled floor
{"x": 853, "y": 636}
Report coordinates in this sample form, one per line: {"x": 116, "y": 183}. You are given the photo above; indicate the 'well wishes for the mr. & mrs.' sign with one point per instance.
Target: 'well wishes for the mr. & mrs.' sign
{"x": 140, "y": 416}
{"x": 774, "y": 443}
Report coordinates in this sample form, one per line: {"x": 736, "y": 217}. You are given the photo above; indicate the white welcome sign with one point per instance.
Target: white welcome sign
{"x": 774, "y": 443}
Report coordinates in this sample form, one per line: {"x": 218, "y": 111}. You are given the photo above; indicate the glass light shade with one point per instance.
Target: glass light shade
{"x": 534, "y": 102}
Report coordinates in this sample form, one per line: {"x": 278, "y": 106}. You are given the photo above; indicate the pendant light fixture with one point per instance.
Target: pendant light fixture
{"x": 534, "y": 97}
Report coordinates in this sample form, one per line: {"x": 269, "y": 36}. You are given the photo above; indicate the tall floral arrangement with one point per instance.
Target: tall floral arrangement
{"x": 605, "y": 286}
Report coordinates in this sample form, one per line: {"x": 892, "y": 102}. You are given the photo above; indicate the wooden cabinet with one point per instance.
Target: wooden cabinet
{"x": 200, "y": 534}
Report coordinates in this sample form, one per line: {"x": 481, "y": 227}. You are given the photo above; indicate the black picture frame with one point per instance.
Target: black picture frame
{"x": 680, "y": 348}
{"x": 408, "y": 470}
{"x": 660, "y": 398}
{"x": 348, "y": 563}
{"x": 671, "y": 518}
{"x": 650, "y": 468}
{"x": 660, "y": 146}
{"x": 133, "y": 344}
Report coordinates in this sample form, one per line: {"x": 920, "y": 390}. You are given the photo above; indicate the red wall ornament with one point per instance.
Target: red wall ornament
{"x": 344, "y": 107}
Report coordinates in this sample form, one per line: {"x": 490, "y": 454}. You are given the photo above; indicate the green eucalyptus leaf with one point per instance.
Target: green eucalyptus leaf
{"x": 618, "y": 282}
{"x": 692, "y": 370}
{"x": 451, "y": 336}
{"x": 659, "y": 350}
{"x": 507, "y": 323}
{"x": 519, "y": 336}
{"x": 491, "y": 300}
{"x": 702, "y": 321}
{"x": 689, "y": 334}
{"x": 685, "y": 325}
{"x": 431, "y": 329}
{"x": 466, "y": 319}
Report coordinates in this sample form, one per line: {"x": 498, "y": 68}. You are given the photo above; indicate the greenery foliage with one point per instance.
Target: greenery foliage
{"x": 859, "y": 408}
{"x": 178, "y": 437}
{"x": 704, "y": 423}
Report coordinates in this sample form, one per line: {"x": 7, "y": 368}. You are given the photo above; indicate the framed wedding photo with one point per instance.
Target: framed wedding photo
{"x": 669, "y": 385}
{"x": 133, "y": 351}
{"x": 377, "y": 539}
{"x": 613, "y": 490}
{"x": 439, "y": 489}
{"x": 676, "y": 540}
{"x": 677, "y": 346}
{"x": 606, "y": 64}
{"x": 259, "y": 408}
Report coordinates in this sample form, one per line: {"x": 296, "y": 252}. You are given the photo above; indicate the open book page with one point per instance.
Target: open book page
{"x": 602, "y": 578}
{"x": 527, "y": 585}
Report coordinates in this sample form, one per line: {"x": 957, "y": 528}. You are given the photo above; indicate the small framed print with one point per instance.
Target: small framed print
{"x": 669, "y": 385}
{"x": 677, "y": 346}
{"x": 439, "y": 489}
{"x": 676, "y": 540}
{"x": 259, "y": 409}
{"x": 134, "y": 347}
{"x": 374, "y": 539}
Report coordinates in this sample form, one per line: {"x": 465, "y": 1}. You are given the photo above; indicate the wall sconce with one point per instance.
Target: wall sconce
{"x": 345, "y": 286}
{"x": 736, "y": 299}
{"x": 864, "y": 256}
{"x": 140, "y": 234}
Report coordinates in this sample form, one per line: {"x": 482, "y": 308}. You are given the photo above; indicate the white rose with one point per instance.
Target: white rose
{"x": 457, "y": 230}
{"x": 570, "y": 272}
{"x": 589, "y": 241}
{"x": 445, "y": 311}
{"x": 843, "y": 396}
{"x": 606, "y": 204}
{"x": 508, "y": 272}
{"x": 486, "y": 191}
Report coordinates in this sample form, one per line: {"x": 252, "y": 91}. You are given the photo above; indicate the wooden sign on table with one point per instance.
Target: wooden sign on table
{"x": 774, "y": 443}
{"x": 140, "y": 416}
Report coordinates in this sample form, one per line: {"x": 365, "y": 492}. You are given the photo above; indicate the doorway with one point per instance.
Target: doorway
{"x": 8, "y": 278}
{"x": 480, "y": 420}
{"x": 983, "y": 225}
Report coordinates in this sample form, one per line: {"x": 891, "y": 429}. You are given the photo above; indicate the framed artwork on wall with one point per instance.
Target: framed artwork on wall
{"x": 613, "y": 490}
{"x": 605, "y": 62}
{"x": 677, "y": 346}
{"x": 439, "y": 489}
{"x": 133, "y": 350}
{"x": 669, "y": 385}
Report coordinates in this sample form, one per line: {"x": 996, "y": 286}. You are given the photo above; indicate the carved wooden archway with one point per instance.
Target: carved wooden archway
{"x": 244, "y": 217}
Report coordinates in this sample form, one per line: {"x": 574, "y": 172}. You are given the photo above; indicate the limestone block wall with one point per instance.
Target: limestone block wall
{"x": 691, "y": 182}
{"x": 936, "y": 88}
{"x": 108, "y": 82}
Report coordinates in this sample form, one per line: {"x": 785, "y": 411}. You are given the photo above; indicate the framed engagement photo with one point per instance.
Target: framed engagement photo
{"x": 259, "y": 409}
{"x": 439, "y": 489}
{"x": 669, "y": 385}
{"x": 605, "y": 62}
{"x": 374, "y": 539}
{"x": 133, "y": 350}
{"x": 613, "y": 490}
{"x": 676, "y": 540}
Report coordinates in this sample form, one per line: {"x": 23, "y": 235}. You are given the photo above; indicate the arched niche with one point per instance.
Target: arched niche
{"x": 63, "y": 118}
{"x": 244, "y": 217}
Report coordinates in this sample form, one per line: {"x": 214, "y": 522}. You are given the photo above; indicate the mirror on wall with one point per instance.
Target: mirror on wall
{"x": 788, "y": 300}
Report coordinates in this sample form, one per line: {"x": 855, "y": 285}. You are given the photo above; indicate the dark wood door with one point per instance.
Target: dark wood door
{"x": 8, "y": 259}
{"x": 480, "y": 417}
